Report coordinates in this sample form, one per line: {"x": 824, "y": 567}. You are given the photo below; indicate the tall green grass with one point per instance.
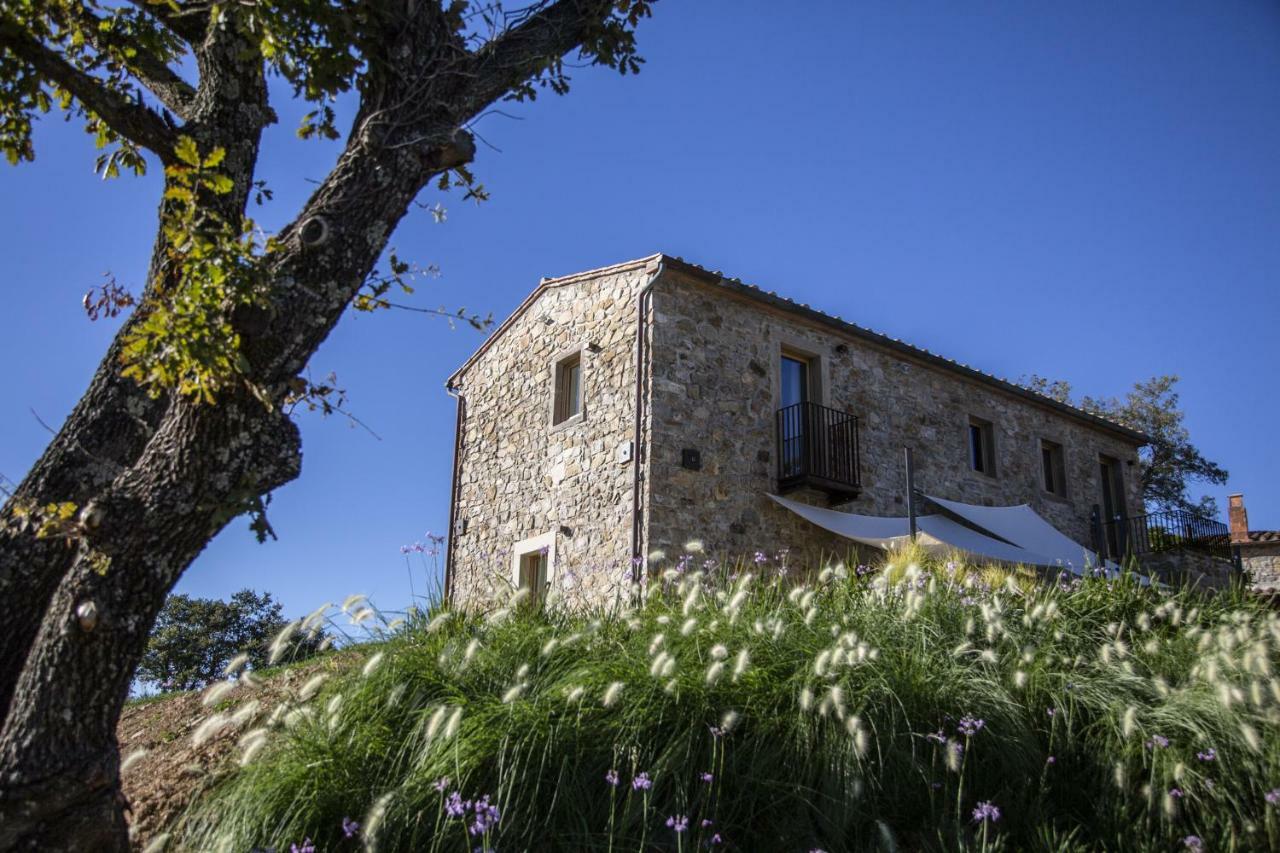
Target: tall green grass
{"x": 854, "y": 711}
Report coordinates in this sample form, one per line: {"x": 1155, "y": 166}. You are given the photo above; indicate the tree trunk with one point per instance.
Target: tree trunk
{"x": 61, "y": 789}
{"x": 159, "y": 478}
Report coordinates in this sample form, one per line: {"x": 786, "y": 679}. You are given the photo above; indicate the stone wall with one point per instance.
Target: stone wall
{"x": 715, "y": 390}
{"x": 519, "y": 476}
{"x": 1261, "y": 560}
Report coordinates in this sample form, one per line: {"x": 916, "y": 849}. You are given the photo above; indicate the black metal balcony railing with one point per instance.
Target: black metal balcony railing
{"x": 1167, "y": 531}
{"x": 818, "y": 447}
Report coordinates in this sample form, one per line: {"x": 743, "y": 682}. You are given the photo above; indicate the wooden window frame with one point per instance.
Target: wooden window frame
{"x": 1057, "y": 468}
{"x": 562, "y": 412}
{"x": 987, "y": 439}
{"x": 545, "y": 545}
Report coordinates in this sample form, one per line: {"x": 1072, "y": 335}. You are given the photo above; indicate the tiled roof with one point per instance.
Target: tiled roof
{"x": 1264, "y": 535}
{"x": 767, "y": 296}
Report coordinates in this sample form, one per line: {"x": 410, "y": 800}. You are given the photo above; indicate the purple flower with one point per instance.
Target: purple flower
{"x": 706, "y": 777}
{"x": 307, "y": 847}
{"x": 937, "y": 737}
{"x": 455, "y": 806}
{"x": 760, "y": 557}
{"x": 1176, "y": 793}
{"x": 969, "y": 727}
{"x": 612, "y": 778}
{"x": 714, "y": 840}
{"x": 706, "y": 822}
{"x": 679, "y": 823}
{"x": 1273, "y": 797}
{"x": 1051, "y": 760}
{"x": 440, "y": 784}
{"x": 486, "y": 816}
{"x": 1209, "y": 754}
{"x": 1052, "y": 711}
{"x": 935, "y": 785}
{"x": 986, "y": 812}
{"x": 641, "y": 782}
{"x": 1158, "y": 742}
{"x": 1193, "y": 842}
{"x": 350, "y": 829}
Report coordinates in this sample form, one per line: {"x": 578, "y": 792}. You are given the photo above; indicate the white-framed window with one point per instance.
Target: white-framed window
{"x": 566, "y": 401}
{"x": 533, "y": 564}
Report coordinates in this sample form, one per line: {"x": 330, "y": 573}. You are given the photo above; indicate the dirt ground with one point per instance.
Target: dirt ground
{"x": 165, "y": 768}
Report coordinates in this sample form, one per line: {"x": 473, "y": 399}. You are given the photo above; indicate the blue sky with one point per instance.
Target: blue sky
{"x": 1087, "y": 191}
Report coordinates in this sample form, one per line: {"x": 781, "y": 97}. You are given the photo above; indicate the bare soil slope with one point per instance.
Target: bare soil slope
{"x": 168, "y": 760}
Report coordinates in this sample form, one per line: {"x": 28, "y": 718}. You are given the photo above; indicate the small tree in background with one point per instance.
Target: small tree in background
{"x": 195, "y": 638}
{"x": 1170, "y": 463}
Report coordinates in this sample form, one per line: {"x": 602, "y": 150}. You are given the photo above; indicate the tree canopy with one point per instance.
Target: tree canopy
{"x": 195, "y": 638}
{"x": 186, "y": 423}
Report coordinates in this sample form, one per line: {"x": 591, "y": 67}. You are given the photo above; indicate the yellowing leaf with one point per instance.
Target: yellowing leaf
{"x": 186, "y": 151}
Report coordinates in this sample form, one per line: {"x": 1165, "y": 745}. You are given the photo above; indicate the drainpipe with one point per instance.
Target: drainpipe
{"x": 460, "y": 420}
{"x": 643, "y": 301}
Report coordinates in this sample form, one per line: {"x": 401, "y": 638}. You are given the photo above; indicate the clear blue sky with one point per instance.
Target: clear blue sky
{"x": 1084, "y": 190}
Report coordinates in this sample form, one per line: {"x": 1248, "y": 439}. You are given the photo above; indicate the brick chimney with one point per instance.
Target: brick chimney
{"x": 1239, "y": 518}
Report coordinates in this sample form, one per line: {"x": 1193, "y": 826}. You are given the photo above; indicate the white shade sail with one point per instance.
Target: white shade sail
{"x": 1023, "y": 525}
{"x": 1031, "y": 540}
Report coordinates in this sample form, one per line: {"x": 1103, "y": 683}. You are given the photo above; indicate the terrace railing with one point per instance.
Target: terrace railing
{"x": 818, "y": 448}
{"x": 1165, "y": 531}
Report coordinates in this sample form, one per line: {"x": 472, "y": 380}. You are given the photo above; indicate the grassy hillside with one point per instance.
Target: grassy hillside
{"x": 922, "y": 706}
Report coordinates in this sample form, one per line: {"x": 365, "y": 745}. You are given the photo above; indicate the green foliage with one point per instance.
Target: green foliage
{"x": 1170, "y": 464}
{"x": 103, "y": 41}
{"x": 830, "y": 714}
{"x": 185, "y": 341}
{"x": 194, "y": 638}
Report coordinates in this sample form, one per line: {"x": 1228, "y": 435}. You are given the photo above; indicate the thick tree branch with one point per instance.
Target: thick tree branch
{"x": 132, "y": 120}
{"x": 149, "y": 70}
{"x": 190, "y": 25}
{"x": 525, "y": 50}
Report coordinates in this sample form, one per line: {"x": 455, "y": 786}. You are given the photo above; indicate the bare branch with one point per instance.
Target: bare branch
{"x": 127, "y": 117}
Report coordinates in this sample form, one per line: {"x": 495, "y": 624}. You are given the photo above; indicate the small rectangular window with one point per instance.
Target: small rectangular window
{"x": 568, "y": 390}
{"x": 1053, "y": 467}
{"x": 982, "y": 450}
{"x": 533, "y": 573}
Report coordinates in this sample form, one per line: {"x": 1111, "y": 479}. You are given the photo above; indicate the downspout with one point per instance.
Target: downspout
{"x": 454, "y": 391}
{"x": 639, "y": 450}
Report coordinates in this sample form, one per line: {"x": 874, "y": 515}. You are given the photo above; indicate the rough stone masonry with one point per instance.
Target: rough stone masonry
{"x": 707, "y": 452}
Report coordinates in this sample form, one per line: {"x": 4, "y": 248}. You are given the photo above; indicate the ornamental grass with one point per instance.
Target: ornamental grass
{"x": 920, "y": 705}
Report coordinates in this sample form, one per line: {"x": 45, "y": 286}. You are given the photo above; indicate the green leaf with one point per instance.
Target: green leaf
{"x": 186, "y": 151}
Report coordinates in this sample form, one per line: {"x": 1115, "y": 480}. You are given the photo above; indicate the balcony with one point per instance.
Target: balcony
{"x": 818, "y": 449}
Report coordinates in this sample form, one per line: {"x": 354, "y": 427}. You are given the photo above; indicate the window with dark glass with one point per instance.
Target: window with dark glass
{"x": 568, "y": 391}
{"x": 982, "y": 455}
{"x": 1053, "y": 467}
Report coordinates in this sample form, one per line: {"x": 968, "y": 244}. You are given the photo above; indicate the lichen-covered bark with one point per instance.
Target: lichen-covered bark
{"x": 162, "y": 476}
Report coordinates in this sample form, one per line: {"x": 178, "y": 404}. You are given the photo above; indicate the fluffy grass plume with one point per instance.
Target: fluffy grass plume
{"x": 924, "y": 706}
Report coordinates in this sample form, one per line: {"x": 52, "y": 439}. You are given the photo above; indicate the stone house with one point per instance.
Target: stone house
{"x": 1259, "y": 550}
{"x": 634, "y": 408}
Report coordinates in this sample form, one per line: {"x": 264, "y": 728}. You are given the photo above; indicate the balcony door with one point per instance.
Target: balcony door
{"x": 794, "y": 391}
{"x": 1113, "y": 511}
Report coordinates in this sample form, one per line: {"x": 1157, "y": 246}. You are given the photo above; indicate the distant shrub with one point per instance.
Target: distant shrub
{"x": 925, "y": 706}
{"x": 195, "y": 638}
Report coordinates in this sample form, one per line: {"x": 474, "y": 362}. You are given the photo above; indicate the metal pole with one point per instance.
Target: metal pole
{"x": 911, "y": 490}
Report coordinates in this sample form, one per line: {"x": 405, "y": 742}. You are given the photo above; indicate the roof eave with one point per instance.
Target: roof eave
{"x": 906, "y": 349}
